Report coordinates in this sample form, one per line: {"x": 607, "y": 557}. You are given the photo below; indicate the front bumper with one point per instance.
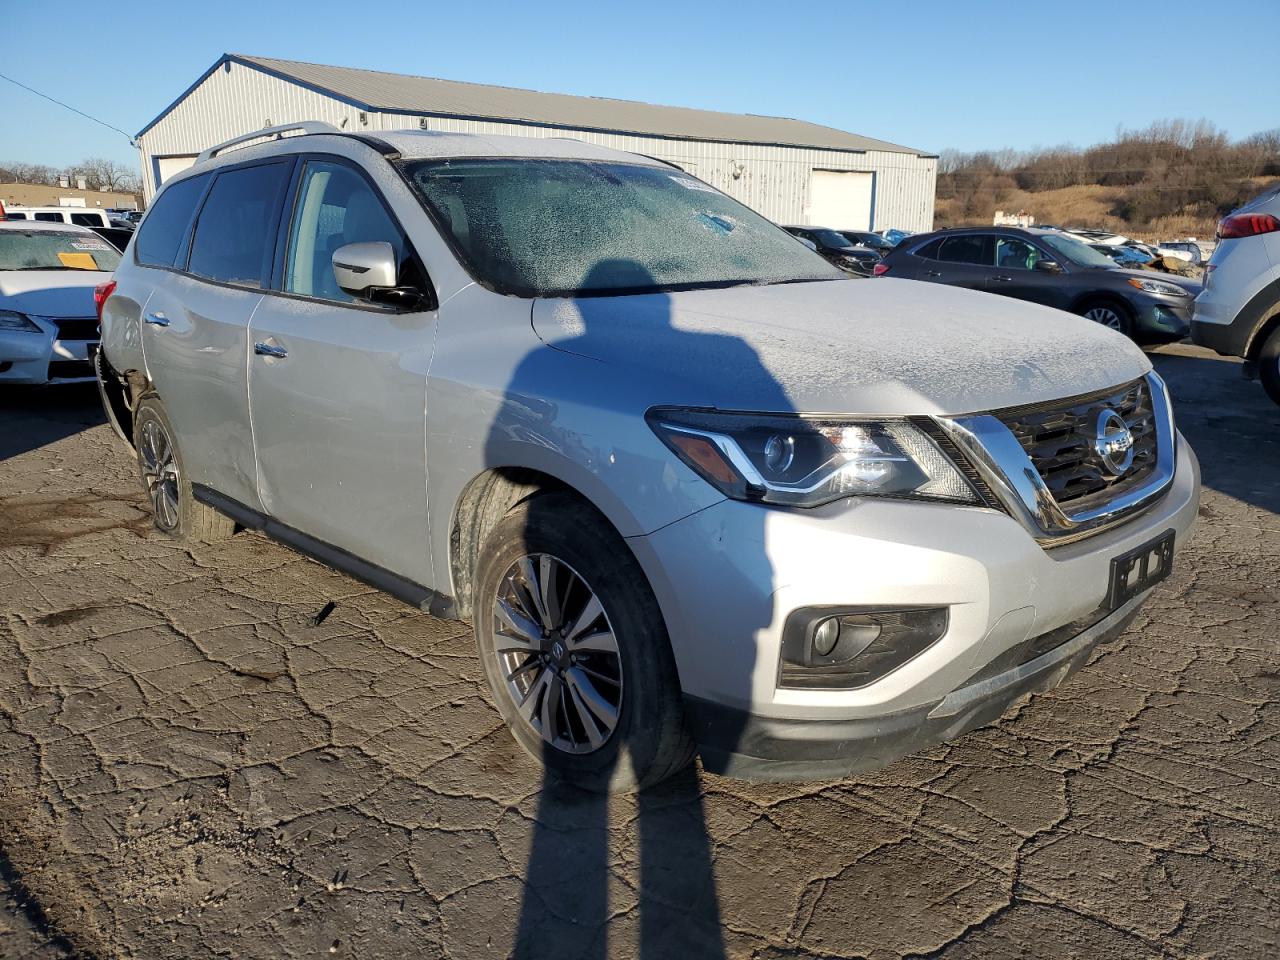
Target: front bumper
{"x": 1163, "y": 319}
{"x": 30, "y": 358}
{"x": 728, "y": 577}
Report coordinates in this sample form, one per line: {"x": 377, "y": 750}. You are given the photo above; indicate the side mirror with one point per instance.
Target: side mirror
{"x": 367, "y": 271}
{"x": 1049, "y": 266}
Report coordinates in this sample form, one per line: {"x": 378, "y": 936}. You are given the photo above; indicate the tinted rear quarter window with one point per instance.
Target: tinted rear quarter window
{"x": 930, "y": 250}
{"x": 235, "y": 234}
{"x": 87, "y": 219}
{"x": 161, "y": 233}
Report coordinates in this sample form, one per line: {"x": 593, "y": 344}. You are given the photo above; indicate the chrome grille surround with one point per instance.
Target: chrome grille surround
{"x": 1078, "y": 507}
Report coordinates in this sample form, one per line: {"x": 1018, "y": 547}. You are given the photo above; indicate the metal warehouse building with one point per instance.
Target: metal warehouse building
{"x": 789, "y": 170}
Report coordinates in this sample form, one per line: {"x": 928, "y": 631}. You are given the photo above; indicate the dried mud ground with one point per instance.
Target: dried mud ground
{"x": 192, "y": 766}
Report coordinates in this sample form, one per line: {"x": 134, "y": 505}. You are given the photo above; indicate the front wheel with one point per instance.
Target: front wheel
{"x": 575, "y": 650}
{"x": 1269, "y": 365}
{"x": 1110, "y": 314}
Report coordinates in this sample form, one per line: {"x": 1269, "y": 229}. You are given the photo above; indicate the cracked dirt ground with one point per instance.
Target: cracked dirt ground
{"x": 191, "y": 768}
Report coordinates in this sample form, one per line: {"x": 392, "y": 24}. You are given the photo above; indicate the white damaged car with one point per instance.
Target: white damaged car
{"x": 49, "y": 275}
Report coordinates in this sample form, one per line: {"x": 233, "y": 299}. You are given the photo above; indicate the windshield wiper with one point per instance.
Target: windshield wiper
{"x": 58, "y": 267}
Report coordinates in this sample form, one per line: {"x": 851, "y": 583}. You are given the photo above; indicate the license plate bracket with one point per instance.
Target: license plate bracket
{"x": 1140, "y": 569}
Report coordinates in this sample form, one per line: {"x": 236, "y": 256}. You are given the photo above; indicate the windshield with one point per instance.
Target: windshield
{"x": 49, "y": 250}
{"x": 567, "y": 227}
{"x": 829, "y": 238}
{"x": 1076, "y": 252}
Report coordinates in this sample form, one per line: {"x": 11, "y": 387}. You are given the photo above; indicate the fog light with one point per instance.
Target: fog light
{"x": 826, "y": 636}
{"x": 846, "y": 648}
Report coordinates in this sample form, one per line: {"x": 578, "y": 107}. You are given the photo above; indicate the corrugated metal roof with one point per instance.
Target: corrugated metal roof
{"x": 401, "y": 93}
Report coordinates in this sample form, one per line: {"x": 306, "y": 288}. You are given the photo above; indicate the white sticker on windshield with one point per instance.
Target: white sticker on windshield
{"x": 89, "y": 245}
{"x": 694, "y": 185}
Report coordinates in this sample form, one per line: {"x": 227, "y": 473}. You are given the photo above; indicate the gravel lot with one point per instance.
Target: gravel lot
{"x": 192, "y": 765}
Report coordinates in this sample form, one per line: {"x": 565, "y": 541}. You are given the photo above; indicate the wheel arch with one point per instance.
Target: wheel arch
{"x": 485, "y": 500}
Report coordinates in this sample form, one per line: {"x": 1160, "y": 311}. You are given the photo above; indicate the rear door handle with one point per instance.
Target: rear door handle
{"x": 157, "y": 318}
{"x": 932, "y": 273}
{"x": 270, "y": 350}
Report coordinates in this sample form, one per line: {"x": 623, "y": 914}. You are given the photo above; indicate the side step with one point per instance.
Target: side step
{"x": 424, "y": 598}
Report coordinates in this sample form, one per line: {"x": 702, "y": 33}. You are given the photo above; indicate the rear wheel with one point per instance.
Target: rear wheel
{"x": 1110, "y": 313}
{"x": 575, "y": 649}
{"x": 175, "y": 511}
{"x": 1269, "y": 365}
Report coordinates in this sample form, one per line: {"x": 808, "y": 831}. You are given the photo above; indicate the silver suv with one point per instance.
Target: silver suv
{"x": 692, "y": 486}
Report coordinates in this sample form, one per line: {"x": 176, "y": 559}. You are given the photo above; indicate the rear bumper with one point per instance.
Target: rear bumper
{"x": 738, "y": 743}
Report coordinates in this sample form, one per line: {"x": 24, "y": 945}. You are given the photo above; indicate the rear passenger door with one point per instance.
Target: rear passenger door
{"x": 965, "y": 260}
{"x": 195, "y": 326}
{"x": 337, "y": 387}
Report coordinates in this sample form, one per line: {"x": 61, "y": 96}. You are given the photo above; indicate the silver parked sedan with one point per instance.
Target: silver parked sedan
{"x": 693, "y": 488}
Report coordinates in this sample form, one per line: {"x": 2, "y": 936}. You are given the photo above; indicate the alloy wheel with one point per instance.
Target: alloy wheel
{"x": 557, "y": 653}
{"x": 1105, "y": 316}
{"x": 160, "y": 473}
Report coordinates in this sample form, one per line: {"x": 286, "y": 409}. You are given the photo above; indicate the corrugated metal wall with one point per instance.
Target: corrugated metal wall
{"x": 772, "y": 180}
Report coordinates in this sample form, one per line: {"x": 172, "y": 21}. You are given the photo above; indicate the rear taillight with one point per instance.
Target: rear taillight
{"x": 101, "y": 293}
{"x": 880, "y": 269}
{"x": 1247, "y": 225}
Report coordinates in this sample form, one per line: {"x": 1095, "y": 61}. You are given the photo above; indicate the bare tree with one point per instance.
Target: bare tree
{"x": 103, "y": 174}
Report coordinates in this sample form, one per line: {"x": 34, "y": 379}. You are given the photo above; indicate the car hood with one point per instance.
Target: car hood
{"x": 876, "y": 347}
{"x": 50, "y": 293}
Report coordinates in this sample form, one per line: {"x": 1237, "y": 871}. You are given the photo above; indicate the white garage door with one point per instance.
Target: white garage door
{"x": 171, "y": 165}
{"x": 840, "y": 200}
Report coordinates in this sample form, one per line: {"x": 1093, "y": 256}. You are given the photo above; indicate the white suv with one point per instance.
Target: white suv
{"x": 1238, "y": 311}
{"x": 690, "y": 483}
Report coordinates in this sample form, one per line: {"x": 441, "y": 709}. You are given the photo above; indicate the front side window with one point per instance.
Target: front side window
{"x": 831, "y": 240}
{"x": 575, "y": 227}
{"x": 235, "y": 233}
{"x": 1015, "y": 254}
{"x": 87, "y": 219}
{"x": 335, "y": 207}
{"x": 972, "y": 248}
{"x": 52, "y": 250}
{"x": 165, "y": 226}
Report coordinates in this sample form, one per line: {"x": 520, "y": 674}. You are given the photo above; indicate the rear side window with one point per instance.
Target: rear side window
{"x": 10, "y": 215}
{"x": 161, "y": 233}
{"x": 972, "y": 248}
{"x": 50, "y": 217}
{"x": 930, "y": 250}
{"x": 235, "y": 235}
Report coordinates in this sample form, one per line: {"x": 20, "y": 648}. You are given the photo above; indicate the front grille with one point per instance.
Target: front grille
{"x": 1059, "y": 440}
{"x": 69, "y": 369}
{"x": 76, "y": 328}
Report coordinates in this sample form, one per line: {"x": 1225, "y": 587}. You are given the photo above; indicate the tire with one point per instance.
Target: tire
{"x": 1117, "y": 316}
{"x": 558, "y": 539}
{"x": 175, "y": 512}
{"x": 1269, "y": 365}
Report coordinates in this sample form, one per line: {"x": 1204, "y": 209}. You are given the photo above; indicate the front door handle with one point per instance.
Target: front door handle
{"x": 932, "y": 273}
{"x": 1003, "y": 279}
{"x": 157, "y": 318}
{"x": 270, "y": 350}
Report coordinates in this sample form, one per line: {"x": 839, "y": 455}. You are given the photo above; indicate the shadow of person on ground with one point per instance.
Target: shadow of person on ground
{"x": 578, "y": 896}
{"x": 1231, "y": 424}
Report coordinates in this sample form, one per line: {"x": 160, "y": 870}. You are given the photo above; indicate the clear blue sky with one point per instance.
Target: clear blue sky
{"x": 931, "y": 74}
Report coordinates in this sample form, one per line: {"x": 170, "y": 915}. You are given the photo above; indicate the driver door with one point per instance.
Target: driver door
{"x": 337, "y": 388}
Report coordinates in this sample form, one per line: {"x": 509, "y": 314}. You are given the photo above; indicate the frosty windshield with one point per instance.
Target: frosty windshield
{"x": 572, "y": 227}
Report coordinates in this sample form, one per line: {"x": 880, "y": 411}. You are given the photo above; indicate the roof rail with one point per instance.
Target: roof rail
{"x": 276, "y": 132}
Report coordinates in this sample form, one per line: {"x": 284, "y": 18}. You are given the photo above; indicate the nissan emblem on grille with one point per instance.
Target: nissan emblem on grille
{"x": 1113, "y": 442}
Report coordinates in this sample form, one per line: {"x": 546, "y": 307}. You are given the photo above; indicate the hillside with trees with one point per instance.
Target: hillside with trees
{"x": 1176, "y": 177}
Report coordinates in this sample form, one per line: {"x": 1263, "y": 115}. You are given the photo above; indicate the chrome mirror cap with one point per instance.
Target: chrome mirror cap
{"x": 361, "y": 268}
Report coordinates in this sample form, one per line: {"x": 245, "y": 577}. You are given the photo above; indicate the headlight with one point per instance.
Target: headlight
{"x": 1158, "y": 286}
{"x": 12, "y": 320}
{"x": 806, "y": 462}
